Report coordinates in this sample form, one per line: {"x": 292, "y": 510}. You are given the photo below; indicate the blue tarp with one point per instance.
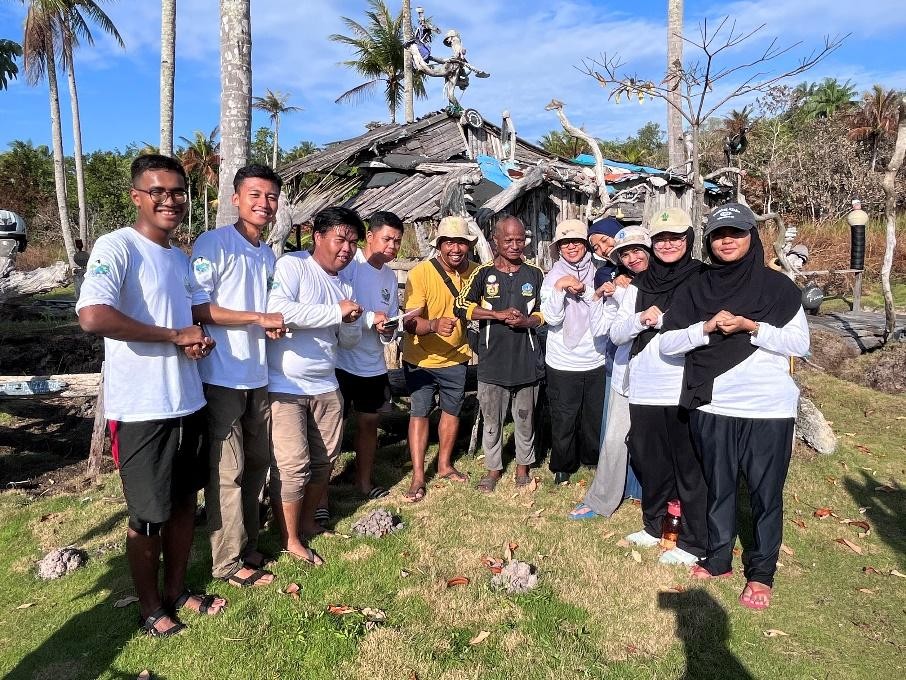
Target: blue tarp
{"x": 493, "y": 169}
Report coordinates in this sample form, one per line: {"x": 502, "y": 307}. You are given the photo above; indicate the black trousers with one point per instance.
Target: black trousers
{"x": 760, "y": 449}
{"x": 667, "y": 466}
{"x": 576, "y": 401}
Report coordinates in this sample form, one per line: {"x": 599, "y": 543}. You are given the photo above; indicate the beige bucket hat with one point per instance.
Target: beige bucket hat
{"x": 453, "y": 226}
{"x": 629, "y": 236}
{"x": 569, "y": 229}
{"x": 673, "y": 220}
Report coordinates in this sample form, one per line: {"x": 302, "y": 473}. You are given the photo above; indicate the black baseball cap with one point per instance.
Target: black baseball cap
{"x": 734, "y": 215}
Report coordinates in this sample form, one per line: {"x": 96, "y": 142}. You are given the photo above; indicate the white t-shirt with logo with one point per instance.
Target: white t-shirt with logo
{"x": 309, "y": 298}
{"x": 230, "y": 272}
{"x": 376, "y": 291}
{"x": 148, "y": 283}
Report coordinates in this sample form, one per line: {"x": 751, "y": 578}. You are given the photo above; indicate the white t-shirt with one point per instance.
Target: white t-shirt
{"x": 149, "y": 283}
{"x": 230, "y": 272}
{"x": 308, "y": 297}
{"x": 653, "y": 379}
{"x": 376, "y": 291}
{"x": 591, "y": 352}
{"x": 760, "y": 386}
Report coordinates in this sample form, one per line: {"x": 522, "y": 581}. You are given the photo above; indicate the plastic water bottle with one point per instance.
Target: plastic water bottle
{"x": 671, "y": 525}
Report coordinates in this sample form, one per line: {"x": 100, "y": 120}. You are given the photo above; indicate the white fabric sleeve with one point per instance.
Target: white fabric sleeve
{"x": 683, "y": 340}
{"x": 349, "y": 334}
{"x": 289, "y": 281}
{"x": 203, "y": 270}
{"x": 599, "y": 318}
{"x": 552, "y": 308}
{"x": 791, "y": 340}
{"x": 104, "y": 274}
{"x": 626, "y": 324}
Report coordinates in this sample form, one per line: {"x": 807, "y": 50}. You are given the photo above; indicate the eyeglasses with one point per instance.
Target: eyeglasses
{"x": 672, "y": 240}
{"x": 160, "y": 196}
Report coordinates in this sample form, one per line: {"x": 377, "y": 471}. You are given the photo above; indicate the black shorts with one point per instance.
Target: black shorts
{"x": 159, "y": 460}
{"x": 449, "y": 383}
{"x": 365, "y": 394}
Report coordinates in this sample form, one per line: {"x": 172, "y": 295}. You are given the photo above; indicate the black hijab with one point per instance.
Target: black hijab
{"x": 746, "y": 288}
{"x": 657, "y": 284}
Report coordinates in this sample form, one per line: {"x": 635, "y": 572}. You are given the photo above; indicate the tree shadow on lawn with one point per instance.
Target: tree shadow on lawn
{"x": 87, "y": 644}
{"x": 704, "y": 629}
{"x": 886, "y": 503}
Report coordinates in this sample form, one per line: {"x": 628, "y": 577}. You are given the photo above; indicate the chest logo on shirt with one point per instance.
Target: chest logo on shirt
{"x": 98, "y": 268}
{"x": 385, "y": 295}
{"x": 272, "y": 283}
{"x": 528, "y": 290}
{"x": 201, "y": 265}
{"x": 491, "y": 289}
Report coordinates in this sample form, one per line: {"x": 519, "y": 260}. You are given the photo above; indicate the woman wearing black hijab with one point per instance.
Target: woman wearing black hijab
{"x": 659, "y": 441}
{"x": 738, "y": 324}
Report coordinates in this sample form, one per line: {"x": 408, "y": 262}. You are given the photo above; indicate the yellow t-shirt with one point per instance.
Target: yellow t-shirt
{"x": 425, "y": 288}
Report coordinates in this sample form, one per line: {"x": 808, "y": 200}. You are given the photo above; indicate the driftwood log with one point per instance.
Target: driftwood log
{"x": 22, "y": 284}
{"x": 864, "y": 331}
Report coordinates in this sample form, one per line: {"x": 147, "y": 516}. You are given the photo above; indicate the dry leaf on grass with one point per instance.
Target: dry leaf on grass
{"x": 458, "y": 581}
{"x": 894, "y": 572}
{"x": 867, "y": 591}
{"x": 292, "y": 589}
{"x": 871, "y": 571}
{"x": 125, "y": 602}
{"x": 775, "y": 632}
{"x": 676, "y": 588}
{"x": 26, "y": 605}
{"x": 636, "y": 556}
{"x": 886, "y": 488}
{"x": 340, "y": 609}
{"x": 831, "y": 480}
{"x": 799, "y": 523}
{"x": 737, "y": 552}
{"x": 821, "y": 513}
{"x": 787, "y": 550}
{"x": 609, "y": 534}
{"x": 494, "y": 564}
{"x": 581, "y": 483}
{"x": 481, "y": 637}
{"x": 404, "y": 573}
{"x": 622, "y": 543}
{"x": 632, "y": 649}
{"x": 849, "y": 544}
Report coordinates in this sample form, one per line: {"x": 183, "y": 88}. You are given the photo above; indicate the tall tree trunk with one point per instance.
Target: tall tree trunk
{"x": 235, "y": 99}
{"x": 167, "y": 73}
{"x": 189, "y": 189}
{"x": 276, "y": 140}
{"x": 874, "y": 151}
{"x": 698, "y": 195}
{"x": 675, "y": 148}
{"x": 890, "y": 208}
{"x": 206, "y": 207}
{"x": 59, "y": 170}
{"x": 407, "y": 62}
{"x": 77, "y": 148}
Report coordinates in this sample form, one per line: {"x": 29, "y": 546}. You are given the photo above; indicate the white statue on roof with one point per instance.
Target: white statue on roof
{"x": 455, "y": 69}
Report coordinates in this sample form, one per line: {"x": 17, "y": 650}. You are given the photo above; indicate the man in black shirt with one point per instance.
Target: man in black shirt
{"x": 503, "y": 296}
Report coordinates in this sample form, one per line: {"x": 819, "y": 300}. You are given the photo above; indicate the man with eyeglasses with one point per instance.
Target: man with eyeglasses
{"x": 137, "y": 296}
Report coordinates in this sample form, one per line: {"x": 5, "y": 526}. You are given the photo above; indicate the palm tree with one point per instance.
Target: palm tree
{"x": 563, "y": 144}
{"x": 74, "y": 27}
{"x": 235, "y": 99}
{"x": 825, "y": 99}
{"x": 9, "y": 50}
{"x": 379, "y": 52}
{"x": 40, "y": 51}
{"x": 275, "y": 105}
{"x": 201, "y": 159}
{"x": 875, "y": 118}
{"x": 167, "y": 73}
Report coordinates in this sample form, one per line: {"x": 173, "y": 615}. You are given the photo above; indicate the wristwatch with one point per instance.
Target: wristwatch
{"x": 754, "y": 331}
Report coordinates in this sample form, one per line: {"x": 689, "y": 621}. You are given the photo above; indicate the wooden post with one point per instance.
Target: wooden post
{"x": 407, "y": 63}
{"x": 857, "y": 292}
{"x": 96, "y": 452}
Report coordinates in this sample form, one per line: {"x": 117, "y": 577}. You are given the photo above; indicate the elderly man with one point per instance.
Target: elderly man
{"x": 436, "y": 349}
{"x": 503, "y": 296}
{"x": 306, "y": 404}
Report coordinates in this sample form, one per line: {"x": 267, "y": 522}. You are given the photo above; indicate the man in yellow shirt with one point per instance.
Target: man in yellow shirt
{"x": 436, "y": 349}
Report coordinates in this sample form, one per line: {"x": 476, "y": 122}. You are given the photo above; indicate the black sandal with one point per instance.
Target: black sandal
{"x": 147, "y": 624}
{"x": 253, "y": 579}
{"x": 488, "y": 483}
{"x": 207, "y": 601}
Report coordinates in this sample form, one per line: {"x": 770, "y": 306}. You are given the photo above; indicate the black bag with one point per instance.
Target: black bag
{"x": 473, "y": 335}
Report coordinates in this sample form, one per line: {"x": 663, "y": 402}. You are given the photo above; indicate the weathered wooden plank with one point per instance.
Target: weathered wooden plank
{"x": 77, "y": 384}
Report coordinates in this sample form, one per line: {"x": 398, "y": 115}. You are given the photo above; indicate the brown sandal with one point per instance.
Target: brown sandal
{"x": 488, "y": 483}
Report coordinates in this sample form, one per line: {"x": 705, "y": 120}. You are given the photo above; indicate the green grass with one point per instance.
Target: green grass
{"x": 597, "y": 613}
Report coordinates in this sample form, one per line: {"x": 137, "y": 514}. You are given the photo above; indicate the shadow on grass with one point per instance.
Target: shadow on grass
{"x": 885, "y": 505}
{"x": 704, "y": 628}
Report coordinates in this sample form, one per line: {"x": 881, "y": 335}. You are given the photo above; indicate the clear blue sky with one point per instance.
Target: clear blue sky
{"x": 529, "y": 47}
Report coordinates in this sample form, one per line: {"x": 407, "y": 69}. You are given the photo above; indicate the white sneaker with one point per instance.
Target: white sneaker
{"x": 678, "y": 556}
{"x": 643, "y": 538}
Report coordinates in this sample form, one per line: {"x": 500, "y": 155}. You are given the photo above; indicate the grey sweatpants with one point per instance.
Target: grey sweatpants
{"x": 606, "y": 491}
{"x": 494, "y": 401}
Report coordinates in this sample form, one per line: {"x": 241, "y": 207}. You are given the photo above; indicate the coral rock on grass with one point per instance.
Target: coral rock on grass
{"x": 377, "y": 523}
{"x": 57, "y": 563}
{"x": 516, "y": 577}
{"x": 813, "y": 428}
